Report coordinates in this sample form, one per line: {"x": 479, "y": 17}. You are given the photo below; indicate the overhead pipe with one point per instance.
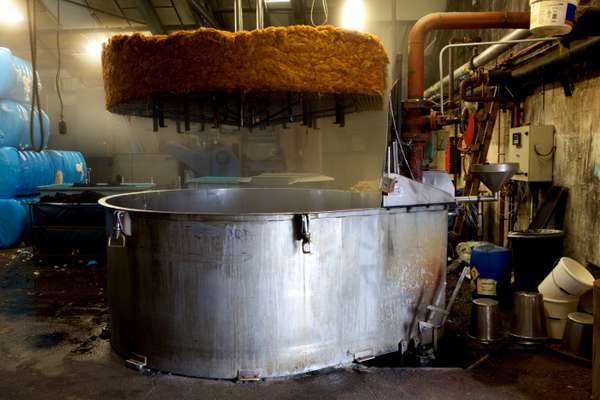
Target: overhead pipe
{"x": 238, "y": 16}
{"x": 486, "y": 56}
{"x": 494, "y": 78}
{"x": 560, "y": 55}
{"x": 451, "y": 20}
{"x": 416, "y": 132}
{"x": 451, "y": 45}
{"x": 260, "y": 14}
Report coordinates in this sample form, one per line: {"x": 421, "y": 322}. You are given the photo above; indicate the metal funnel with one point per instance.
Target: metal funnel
{"x": 494, "y": 175}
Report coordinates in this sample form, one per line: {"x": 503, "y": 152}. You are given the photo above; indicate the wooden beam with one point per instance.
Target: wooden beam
{"x": 101, "y": 11}
{"x": 299, "y": 12}
{"x": 149, "y": 13}
{"x": 205, "y": 10}
{"x": 212, "y": 5}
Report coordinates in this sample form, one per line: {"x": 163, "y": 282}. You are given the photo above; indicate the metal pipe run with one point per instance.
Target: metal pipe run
{"x": 418, "y": 133}
{"x": 449, "y": 46}
{"x": 477, "y": 199}
{"x": 557, "y": 56}
{"x": 489, "y": 54}
{"x": 238, "y": 15}
{"x": 451, "y": 20}
{"x": 260, "y": 14}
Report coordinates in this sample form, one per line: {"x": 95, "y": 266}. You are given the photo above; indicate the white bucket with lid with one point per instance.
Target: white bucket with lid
{"x": 566, "y": 280}
{"x": 552, "y": 17}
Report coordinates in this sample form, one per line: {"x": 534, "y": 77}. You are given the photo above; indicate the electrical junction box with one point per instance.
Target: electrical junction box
{"x": 532, "y": 147}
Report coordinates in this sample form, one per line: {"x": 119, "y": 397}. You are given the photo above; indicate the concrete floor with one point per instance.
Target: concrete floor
{"x": 54, "y": 345}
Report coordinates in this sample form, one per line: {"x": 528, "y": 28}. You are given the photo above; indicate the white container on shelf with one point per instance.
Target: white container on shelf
{"x": 552, "y": 17}
{"x": 560, "y": 308}
{"x": 556, "y": 327}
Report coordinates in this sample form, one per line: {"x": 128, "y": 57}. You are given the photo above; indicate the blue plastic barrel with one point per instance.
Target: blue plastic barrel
{"x": 16, "y": 77}
{"x": 14, "y": 126}
{"x": 70, "y": 165}
{"x": 15, "y": 223}
{"x": 21, "y": 172}
{"x": 493, "y": 264}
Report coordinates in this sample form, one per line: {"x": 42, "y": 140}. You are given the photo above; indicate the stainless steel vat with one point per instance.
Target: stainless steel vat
{"x": 226, "y": 283}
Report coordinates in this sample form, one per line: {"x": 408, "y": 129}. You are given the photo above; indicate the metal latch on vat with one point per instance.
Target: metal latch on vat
{"x": 363, "y": 356}
{"x": 121, "y": 229}
{"x": 137, "y": 362}
{"x": 248, "y": 375}
{"x": 302, "y": 224}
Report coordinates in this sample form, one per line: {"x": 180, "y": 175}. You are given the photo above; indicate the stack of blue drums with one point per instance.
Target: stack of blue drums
{"x": 24, "y": 162}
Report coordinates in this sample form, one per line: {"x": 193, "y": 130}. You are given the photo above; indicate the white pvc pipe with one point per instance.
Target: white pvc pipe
{"x": 486, "y": 56}
{"x": 448, "y": 46}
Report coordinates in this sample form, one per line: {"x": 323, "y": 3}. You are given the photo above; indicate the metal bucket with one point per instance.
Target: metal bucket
{"x": 527, "y": 323}
{"x": 250, "y": 282}
{"x": 486, "y": 325}
{"x": 579, "y": 335}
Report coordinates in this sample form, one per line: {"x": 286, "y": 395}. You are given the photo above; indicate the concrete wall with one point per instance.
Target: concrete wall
{"x": 576, "y": 164}
{"x": 577, "y": 159}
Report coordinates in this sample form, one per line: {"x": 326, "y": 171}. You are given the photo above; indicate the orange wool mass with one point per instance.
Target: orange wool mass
{"x": 277, "y": 59}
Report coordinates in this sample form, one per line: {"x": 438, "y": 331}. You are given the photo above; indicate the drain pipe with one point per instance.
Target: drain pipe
{"x": 415, "y": 109}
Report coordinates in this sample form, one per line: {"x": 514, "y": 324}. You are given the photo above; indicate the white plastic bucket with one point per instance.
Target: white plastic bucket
{"x": 556, "y": 327}
{"x": 559, "y": 308}
{"x": 552, "y": 17}
{"x": 573, "y": 277}
{"x": 549, "y": 288}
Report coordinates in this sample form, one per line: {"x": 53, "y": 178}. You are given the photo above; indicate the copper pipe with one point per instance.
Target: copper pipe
{"x": 450, "y": 20}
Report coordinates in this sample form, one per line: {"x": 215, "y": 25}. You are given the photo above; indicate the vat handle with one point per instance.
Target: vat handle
{"x": 302, "y": 224}
{"x": 114, "y": 241}
{"x": 120, "y": 229}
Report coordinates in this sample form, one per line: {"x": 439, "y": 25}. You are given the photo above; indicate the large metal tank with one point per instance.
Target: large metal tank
{"x": 234, "y": 283}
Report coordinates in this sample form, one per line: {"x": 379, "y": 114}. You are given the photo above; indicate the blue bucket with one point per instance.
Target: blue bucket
{"x": 493, "y": 265}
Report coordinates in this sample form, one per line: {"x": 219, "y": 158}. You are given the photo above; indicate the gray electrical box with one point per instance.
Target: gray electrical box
{"x": 532, "y": 147}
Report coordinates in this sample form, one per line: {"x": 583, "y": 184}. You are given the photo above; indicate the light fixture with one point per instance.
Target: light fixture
{"x": 353, "y": 15}
{"x": 276, "y": 1}
{"x": 10, "y": 13}
{"x": 93, "y": 47}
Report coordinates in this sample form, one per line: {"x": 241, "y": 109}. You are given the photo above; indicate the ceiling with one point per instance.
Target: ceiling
{"x": 163, "y": 16}
{"x": 86, "y": 24}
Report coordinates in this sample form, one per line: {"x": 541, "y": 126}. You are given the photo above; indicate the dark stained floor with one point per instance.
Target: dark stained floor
{"x": 54, "y": 345}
